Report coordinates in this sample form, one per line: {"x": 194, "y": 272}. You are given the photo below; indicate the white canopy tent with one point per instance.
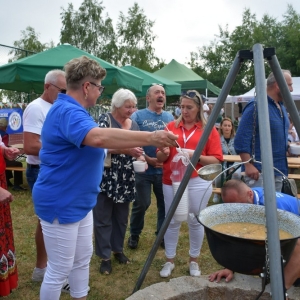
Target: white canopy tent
{"x": 250, "y": 94}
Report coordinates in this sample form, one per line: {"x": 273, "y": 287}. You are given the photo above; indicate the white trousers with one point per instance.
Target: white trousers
{"x": 196, "y": 188}
{"x": 69, "y": 249}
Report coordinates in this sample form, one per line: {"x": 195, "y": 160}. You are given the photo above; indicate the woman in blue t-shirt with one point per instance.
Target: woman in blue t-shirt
{"x": 71, "y": 168}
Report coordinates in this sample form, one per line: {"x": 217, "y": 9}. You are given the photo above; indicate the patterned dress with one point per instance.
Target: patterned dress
{"x": 118, "y": 181}
{"x": 8, "y": 266}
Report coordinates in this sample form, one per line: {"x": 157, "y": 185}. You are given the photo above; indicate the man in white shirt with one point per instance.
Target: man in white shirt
{"x": 33, "y": 120}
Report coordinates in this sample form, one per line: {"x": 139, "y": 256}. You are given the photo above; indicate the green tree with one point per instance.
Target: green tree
{"x": 28, "y": 44}
{"x": 289, "y": 51}
{"x": 216, "y": 59}
{"x": 135, "y": 39}
{"x": 89, "y": 29}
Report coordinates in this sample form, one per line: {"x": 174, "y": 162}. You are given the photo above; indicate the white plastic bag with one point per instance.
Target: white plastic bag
{"x": 178, "y": 167}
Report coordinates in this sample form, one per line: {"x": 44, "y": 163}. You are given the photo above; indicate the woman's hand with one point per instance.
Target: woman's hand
{"x": 136, "y": 152}
{"x": 5, "y": 196}
{"x": 142, "y": 158}
{"x": 163, "y": 138}
{"x": 11, "y": 153}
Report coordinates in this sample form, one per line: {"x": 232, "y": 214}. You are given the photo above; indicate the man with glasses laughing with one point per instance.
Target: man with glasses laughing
{"x": 33, "y": 120}
{"x": 151, "y": 118}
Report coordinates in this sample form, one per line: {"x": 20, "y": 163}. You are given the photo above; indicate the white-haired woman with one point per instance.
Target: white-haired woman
{"x": 117, "y": 186}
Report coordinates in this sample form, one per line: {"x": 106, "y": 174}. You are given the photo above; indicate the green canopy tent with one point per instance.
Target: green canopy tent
{"x": 171, "y": 87}
{"x": 188, "y": 79}
{"x": 28, "y": 74}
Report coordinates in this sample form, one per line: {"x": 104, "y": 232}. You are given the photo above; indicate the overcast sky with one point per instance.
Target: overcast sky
{"x": 180, "y": 25}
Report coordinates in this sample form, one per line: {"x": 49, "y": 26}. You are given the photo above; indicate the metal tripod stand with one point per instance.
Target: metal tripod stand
{"x": 258, "y": 54}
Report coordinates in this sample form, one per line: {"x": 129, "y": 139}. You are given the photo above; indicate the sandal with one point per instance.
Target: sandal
{"x": 105, "y": 267}
{"x": 121, "y": 258}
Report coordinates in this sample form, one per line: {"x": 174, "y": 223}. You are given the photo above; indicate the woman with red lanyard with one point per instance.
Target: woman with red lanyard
{"x": 189, "y": 127}
{"x": 8, "y": 267}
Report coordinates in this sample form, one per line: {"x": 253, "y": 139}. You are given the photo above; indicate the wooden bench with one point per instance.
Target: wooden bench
{"x": 15, "y": 169}
{"x": 216, "y": 190}
{"x": 294, "y": 176}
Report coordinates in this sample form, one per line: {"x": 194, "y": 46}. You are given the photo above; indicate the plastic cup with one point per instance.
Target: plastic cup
{"x": 182, "y": 210}
{"x": 139, "y": 166}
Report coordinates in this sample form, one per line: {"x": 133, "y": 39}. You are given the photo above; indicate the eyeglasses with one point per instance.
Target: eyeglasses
{"x": 190, "y": 95}
{"x": 63, "y": 91}
{"x": 100, "y": 87}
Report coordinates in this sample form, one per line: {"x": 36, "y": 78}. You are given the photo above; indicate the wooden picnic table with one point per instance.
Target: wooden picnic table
{"x": 293, "y": 162}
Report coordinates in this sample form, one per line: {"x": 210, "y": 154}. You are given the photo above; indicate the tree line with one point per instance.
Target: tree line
{"x": 131, "y": 42}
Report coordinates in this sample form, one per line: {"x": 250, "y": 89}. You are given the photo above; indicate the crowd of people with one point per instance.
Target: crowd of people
{"x": 61, "y": 140}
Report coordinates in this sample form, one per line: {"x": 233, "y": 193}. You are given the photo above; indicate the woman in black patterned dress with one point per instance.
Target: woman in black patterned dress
{"x": 117, "y": 186}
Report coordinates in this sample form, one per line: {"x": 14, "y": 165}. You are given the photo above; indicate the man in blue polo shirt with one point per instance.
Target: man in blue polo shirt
{"x": 236, "y": 191}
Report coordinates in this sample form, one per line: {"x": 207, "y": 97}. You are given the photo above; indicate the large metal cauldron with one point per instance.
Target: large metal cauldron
{"x": 241, "y": 255}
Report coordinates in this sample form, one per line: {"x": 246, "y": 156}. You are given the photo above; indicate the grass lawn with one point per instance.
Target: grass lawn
{"x": 120, "y": 283}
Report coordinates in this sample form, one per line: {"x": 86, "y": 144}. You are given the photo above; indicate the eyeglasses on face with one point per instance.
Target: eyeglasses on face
{"x": 100, "y": 87}
{"x": 63, "y": 91}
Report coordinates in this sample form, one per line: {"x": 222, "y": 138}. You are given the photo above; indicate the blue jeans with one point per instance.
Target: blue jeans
{"x": 142, "y": 201}
{"x": 31, "y": 176}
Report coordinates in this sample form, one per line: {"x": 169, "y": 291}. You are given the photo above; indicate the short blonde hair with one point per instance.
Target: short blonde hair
{"x": 79, "y": 69}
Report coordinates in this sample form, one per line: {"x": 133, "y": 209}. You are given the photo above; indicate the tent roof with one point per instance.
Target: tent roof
{"x": 171, "y": 87}
{"x": 186, "y": 77}
{"x": 28, "y": 74}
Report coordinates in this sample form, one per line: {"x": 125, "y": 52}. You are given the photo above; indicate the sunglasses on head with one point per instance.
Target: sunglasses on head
{"x": 190, "y": 95}
{"x": 63, "y": 91}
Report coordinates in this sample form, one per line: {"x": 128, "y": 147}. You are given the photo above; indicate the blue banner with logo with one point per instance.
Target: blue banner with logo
{"x": 14, "y": 119}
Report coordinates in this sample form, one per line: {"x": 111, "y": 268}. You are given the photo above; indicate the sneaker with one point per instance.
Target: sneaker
{"x": 133, "y": 241}
{"x": 194, "y": 269}
{"x": 66, "y": 287}
{"x": 38, "y": 274}
{"x": 167, "y": 269}
{"x": 216, "y": 198}
{"x": 105, "y": 267}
